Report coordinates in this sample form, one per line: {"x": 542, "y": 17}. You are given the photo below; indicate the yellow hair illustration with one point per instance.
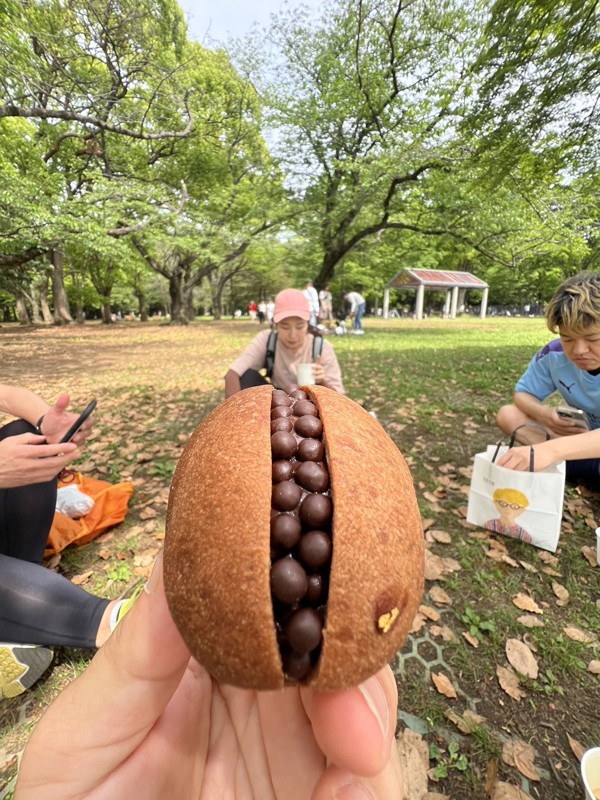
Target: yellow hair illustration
{"x": 511, "y": 496}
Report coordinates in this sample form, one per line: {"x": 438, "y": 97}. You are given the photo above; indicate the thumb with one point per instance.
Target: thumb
{"x": 62, "y": 402}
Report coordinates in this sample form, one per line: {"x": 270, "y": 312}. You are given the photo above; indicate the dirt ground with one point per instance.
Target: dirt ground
{"x": 154, "y": 384}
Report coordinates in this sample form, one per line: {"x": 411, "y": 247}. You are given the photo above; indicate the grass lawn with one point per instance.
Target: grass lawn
{"x": 435, "y": 386}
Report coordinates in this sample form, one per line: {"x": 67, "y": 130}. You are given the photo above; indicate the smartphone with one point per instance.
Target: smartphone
{"x": 79, "y": 422}
{"x": 574, "y": 415}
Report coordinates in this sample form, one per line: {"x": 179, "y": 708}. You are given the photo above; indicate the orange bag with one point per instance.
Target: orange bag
{"x": 110, "y": 508}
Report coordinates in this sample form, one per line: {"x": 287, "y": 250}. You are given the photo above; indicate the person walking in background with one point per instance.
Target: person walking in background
{"x": 294, "y": 345}
{"x": 252, "y": 310}
{"x": 357, "y": 309}
{"x": 313, "y": 302}
{"x": 326, "y": 306}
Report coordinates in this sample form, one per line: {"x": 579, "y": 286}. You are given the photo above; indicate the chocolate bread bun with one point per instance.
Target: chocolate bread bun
{"x": 294, "y": 545}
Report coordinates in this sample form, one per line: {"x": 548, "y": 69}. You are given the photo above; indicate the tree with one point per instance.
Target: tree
{"x": 364, "y": 105}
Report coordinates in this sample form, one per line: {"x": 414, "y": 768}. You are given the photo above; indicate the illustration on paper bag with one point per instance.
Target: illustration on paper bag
{"x": 510, "y": 503}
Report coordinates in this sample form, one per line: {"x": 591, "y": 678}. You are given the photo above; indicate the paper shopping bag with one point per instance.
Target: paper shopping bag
{"x": 523, "y": 505}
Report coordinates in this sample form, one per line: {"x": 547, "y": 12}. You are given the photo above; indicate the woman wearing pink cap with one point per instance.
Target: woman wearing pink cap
{"x": 294, "y": 346}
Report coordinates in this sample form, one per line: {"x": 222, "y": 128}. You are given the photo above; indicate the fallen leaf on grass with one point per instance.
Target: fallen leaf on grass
{"x": 521, "y": 755}
{"x": 443, "y": 685}
{"x": 594, "y": 667}
{"x": 530, "y": 621}
{"x": 526, "y": 603}
{"x": 83, "y": 578}
{"x": 413, "y": 755}
{"x": 589, "y": 553}
{"x": 440, "y": 596}
{"x": 465, "y": 723}
{"x": 472, "y": 640}
{"x": 444, "y": 632}
{"x": 432, "y": 796}
{"x": 509, "y": 682}
{"x": 506, "y": 791}
{"x": 521, "y": 658}
{"x": 429, "y": 612}
{"x": 554, "y": 573}
{"x": 440, "y": 536}
{"x": 527, "y": 566}
{"x": 577, "y": 748}
{"x": 548, "y": 558}
{"x": 561, "y": 592}
{"x": 148, "y": 513}
{"x": 418, "y": 623}
{"x": 579, "y": 635}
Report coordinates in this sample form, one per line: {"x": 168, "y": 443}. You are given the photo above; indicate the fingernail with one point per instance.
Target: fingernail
{"x": 155, "y": 575}
{"x": 374, "y": 695}
{"x": 353, "y": 791}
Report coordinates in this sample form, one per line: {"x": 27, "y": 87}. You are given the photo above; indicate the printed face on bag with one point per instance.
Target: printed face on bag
{"x": 509, "y": 504}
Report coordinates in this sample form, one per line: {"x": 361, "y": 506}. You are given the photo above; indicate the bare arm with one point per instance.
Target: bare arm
{"x": 22, "y": 403}
{"x": 564, "y": 448}
{"x": 232, "y": 383}
{"x": 544, "y": 415}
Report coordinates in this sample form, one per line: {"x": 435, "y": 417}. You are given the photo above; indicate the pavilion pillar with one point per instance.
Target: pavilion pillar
{"x": 484, "y": 302}
{"x": 447, "y": 304}
{"x": 454, "y": 304}
{"x": 419, "y": 301}
{"x": 386, "y": 303}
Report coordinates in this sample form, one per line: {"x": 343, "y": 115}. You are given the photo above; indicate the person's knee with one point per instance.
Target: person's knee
{"x": 506, "y": 418}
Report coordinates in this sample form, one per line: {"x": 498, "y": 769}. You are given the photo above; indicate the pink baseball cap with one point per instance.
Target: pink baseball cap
{"x": 291, "y": 303}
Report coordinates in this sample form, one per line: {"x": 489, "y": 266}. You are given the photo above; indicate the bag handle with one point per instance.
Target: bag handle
{"x": 512, "y": 440}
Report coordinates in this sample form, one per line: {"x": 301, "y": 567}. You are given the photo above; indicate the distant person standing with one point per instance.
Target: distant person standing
{"x": 252, "y": 310}
{"x": 262, "y": 311}
{"x": 357, "y": 309}
{"x": 326, "y": 306}
{"x": 313, "y": 301}
{"x": 270, "y": 310}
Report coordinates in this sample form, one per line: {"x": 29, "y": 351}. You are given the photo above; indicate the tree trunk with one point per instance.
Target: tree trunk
{"x": 22, "y": 313}
{"x": 35, "y": 306}
{"x": 106, "y": 312}
{"x": 46, "y": 312}
{"x": 142, "y": 305}
{"x": 178, "y": 304}
{"x": 190, "y": 311}
{"x": 62, "y": 313}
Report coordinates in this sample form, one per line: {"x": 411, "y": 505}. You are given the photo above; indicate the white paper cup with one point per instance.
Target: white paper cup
{"x": 590, "y": 773}
{"x": 304, "y": 375}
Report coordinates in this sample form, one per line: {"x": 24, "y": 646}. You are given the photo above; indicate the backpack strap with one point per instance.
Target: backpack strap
{"x": 270, "y": 354}
{"x": 317, "y": 346}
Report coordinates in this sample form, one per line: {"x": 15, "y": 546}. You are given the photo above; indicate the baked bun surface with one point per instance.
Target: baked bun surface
{"x": 218, "y": 554}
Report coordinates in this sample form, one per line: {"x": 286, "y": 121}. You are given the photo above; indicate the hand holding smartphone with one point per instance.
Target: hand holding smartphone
{"x": 574, "y": 415}
{"x": 79, "y": 421}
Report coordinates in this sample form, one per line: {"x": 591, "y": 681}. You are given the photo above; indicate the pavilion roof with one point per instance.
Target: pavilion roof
{"x": 435, "y": 279}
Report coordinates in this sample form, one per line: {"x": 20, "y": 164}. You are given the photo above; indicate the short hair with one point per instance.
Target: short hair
{"x": 511, "y": 496}
{"x": 575, "y": 305}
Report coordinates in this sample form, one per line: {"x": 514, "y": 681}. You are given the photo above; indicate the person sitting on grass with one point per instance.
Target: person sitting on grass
{"x": 39, "y": 609}
{"x": 570, "y": 366}
{"x": 295, "y": 345}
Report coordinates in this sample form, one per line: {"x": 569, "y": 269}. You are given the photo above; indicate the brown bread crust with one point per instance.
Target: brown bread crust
{"x": 217, "y": 548}
{"x": 378, "y": 544}
{"x": 217, "y": 552}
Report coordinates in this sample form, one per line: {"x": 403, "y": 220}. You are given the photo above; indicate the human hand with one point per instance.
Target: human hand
{"x": 26, "y": 459}
{"x": 144, "y": 713}
{"x": 318, "y": 371}
{"x": 57, "y": 421}
{"x": 561, "y": 426}
{"x": 519, "y": 458}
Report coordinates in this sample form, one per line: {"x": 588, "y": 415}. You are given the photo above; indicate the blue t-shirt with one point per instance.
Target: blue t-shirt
{"x": 551, "y": 371}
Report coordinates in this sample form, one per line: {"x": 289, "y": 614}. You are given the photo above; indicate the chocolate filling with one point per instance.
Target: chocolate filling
{"x": 301, "y": 538}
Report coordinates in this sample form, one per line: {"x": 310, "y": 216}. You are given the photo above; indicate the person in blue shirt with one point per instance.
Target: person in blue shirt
{"x": 568, "y": 366}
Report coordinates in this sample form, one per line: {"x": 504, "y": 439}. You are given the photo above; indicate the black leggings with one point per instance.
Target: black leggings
{"x": 38, "y": 606}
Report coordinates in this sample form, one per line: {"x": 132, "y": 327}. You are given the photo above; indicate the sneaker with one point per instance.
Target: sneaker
{"x": 123, "y": 607}
{"x": 21, "y": 665}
